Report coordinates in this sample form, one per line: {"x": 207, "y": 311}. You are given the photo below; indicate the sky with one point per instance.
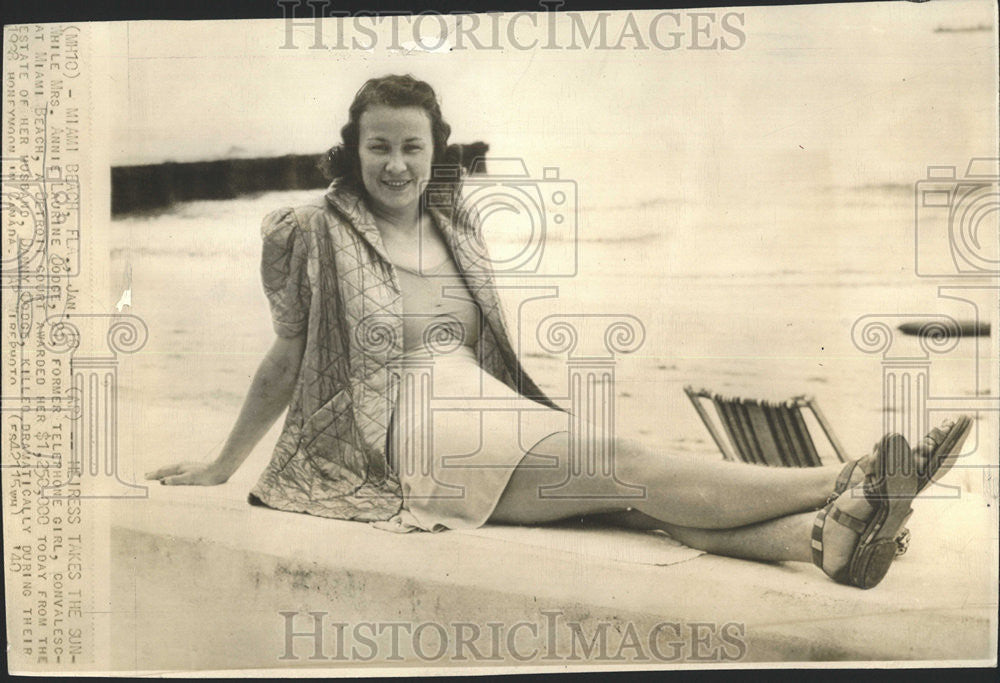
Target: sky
{"x": 838, "y": 95}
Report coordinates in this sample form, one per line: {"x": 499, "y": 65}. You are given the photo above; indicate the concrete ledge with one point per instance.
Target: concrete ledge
{"x": 199, "y": 582}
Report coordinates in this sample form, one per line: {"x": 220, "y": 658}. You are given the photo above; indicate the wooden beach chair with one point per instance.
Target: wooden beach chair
{"x": 771, "y": 433}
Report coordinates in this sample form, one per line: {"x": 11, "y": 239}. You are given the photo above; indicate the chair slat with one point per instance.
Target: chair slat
{"x": 720, "y": 439}
{"x": 809, "y": 448}
{"x": 722, "y": 409}
{"x": 739, "y": 412}
{"x": 731, "y": 420}
{"x": 761, "y": 431}
{"x": 786, "y": 423}
{"x": 785, "y": 442}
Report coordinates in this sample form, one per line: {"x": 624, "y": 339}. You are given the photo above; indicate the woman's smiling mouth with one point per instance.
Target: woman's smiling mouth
{"x": 395, "y": 184}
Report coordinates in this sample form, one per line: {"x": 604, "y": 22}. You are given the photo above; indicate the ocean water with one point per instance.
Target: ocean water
{"x": 757, "y": 301}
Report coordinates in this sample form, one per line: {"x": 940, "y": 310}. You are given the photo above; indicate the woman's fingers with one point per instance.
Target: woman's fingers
{"x": 196, "y": 476}
{"x": 189, "y": 473}
{"x": 169, "y": 470}
{"x": 164, "y": 471}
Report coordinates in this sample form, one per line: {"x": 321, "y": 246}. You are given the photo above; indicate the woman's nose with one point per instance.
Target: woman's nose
{"x": 395, "y": 163}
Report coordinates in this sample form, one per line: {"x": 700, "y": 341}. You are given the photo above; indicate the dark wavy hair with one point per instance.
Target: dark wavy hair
{"x": 343, "y": 162}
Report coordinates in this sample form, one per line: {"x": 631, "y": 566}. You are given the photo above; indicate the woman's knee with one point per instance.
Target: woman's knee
{"x": 551, "y": 487}
{"x": 632, "y": 463}
{"x": 526, "y": 500}
{"x": 560, "y": 475}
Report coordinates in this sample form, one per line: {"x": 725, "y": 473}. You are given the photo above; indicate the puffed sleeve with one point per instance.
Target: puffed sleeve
{"x": 284, "y": 272}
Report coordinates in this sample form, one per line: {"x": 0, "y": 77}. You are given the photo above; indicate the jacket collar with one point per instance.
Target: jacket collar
{"x": 460, "y": 232}
{"x": 358, "y": 216}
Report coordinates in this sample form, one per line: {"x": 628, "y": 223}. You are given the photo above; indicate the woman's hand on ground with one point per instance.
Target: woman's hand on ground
{"x": 190, "y": 474}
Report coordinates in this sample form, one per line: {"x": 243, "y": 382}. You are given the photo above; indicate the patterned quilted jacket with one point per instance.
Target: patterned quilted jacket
{"x": 326, "y": 273}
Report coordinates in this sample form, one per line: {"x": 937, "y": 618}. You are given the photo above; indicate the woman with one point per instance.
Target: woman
{"x": 376, "y": 290}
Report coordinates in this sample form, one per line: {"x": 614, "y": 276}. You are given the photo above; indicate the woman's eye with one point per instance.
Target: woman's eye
{"x": 413, "y": 149}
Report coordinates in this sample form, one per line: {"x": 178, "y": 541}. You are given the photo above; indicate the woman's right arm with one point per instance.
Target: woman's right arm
{"x": 269, "y": 395}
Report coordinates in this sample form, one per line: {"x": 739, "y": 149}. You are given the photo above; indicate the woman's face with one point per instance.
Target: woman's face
{"x": 396, "y": 148}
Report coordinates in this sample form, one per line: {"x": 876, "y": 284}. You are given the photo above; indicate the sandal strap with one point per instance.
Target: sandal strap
{"x": 850, "y": 521}
{"x": 840, "y": 517}
{"x": 844, "y": 479}
{"x": 817, "y": 536}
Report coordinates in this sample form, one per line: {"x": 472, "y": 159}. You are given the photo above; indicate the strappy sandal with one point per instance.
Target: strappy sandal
{"x": 889, "y": 488}
{"x": 844, "y": 482}
{"x": 940, "y": 445}
{"x": 844, "y": 478}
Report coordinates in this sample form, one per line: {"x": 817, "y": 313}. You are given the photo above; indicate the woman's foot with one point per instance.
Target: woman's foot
{"x": 853, "y": 537}
{"x": 853, "y": 473}
{"x": 839, "y": 541}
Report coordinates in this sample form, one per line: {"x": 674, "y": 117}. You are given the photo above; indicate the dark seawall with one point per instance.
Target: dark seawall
{"x": 154, "y": 187}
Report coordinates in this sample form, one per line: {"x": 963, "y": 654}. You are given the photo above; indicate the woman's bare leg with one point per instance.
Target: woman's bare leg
{"x": 785, "y": 536}
{"x": 679, "y": 491}
{"x": 785, "y": 539}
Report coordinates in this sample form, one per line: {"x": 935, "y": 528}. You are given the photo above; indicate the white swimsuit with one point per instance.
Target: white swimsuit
{"x": 458, "y": 432}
